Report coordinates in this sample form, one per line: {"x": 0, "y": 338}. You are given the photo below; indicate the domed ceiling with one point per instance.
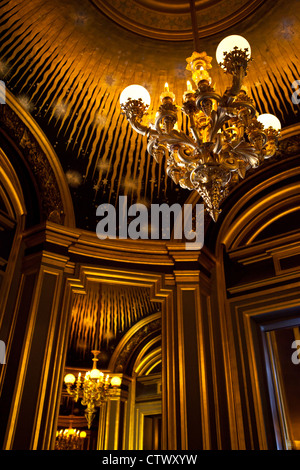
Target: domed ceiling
{"x": 67, "y": 63}
{"x": 171, "y": 21}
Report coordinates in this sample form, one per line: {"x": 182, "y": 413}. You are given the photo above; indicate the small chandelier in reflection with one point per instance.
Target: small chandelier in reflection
{"x": 69, "y": 439}
{"x": 93, "y": 389}
{"x": 226, "y": 136}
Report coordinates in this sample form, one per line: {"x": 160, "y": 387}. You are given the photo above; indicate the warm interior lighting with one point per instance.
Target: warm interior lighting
{"x": 269, "y": 120}
{"x": 224, "y": 139}
{"x": 93, "y": 389}
{"x": 115, "y": 381}
{"x": 189, "y": 86}
{"x": 69, "y": 439}
{"x": 69, "y": 379}
{"x": 229, "y": 43}
{"x": 96, "y": 374}
{"x": 135, "y": 92}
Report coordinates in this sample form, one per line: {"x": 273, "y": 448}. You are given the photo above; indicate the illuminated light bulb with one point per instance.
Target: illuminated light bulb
{"x": 135, "y": 92}
{"x": 115, "y": 381}
{"x": 229, "y": 43}
{"x": 95, "y": 374}
{"x": 203, "y": 74}
{"x": 82, "y": 434}
{"x": 189, "y": 93}
{"x": 189, "y": 86}
{"x": 69, "y": 379}
{"x": 167, "y": 93}
{"x": 269, "y": 120}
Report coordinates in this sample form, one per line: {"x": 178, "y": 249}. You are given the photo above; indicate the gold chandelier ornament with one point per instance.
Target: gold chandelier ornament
{"x": 69, "y": 439}
{"x": 93, "y": 389}
{"x": 226, "y": 136}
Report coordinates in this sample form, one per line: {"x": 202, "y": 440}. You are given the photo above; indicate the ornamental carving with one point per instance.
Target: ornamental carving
{"x": 126, "y": 353}
{"x": 50, "y": 198}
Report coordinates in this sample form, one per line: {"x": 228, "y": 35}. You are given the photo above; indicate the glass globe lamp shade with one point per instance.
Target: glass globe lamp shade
{"x": 269, "y": 120}
{"x": 69, "y": 379}
{"x": 229, "y": 43}
{"x": 135, "y": 92}
{"x": 115, "y": 381}
{"x": 82, "y": 434}
{"x": 95, "y": 374}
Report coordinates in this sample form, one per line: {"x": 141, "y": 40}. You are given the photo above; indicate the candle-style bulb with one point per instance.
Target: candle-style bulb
{"x": 167, "y": 94}
{"x": 189, "y": 86}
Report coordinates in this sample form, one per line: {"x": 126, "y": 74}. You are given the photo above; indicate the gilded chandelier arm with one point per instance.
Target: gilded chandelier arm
{"x": 235, "y": 63}
{"x": 138, "y": 126}
{"x": 134, "y": 111}
{"x": 229, "y": 95}
{"x": 194, "y": 130}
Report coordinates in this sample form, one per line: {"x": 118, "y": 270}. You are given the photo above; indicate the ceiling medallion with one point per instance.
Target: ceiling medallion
{"x": 226, "y": 136}
{"x": 170, "y": 21}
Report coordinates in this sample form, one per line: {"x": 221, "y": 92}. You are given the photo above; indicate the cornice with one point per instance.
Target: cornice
{"x": 85, "y": 247}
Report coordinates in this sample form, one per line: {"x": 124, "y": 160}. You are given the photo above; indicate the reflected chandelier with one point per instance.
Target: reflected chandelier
{"x": 69, "y": 439}
{"x": 93, "y": 389}
{"x": 226, "y": 137}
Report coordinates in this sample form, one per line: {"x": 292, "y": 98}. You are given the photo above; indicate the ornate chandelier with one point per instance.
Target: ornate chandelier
{"x": 225, "y": 137}
{"x": 93, "y": 389}
{"x": 69, "y": 439}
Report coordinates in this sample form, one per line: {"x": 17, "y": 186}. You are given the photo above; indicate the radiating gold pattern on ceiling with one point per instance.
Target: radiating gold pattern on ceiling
{"x": 105, "y": 313}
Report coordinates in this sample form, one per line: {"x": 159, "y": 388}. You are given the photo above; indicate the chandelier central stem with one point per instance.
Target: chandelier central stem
{"x": 194, "y": 25}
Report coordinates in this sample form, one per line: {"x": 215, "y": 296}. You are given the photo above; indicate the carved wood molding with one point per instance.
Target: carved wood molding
{"x": 56, "y": 205}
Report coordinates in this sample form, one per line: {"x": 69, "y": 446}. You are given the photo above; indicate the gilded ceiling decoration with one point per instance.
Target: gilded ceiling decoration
{"x": 160, "y": 19}
{"x": 67, "y": 63}
{"x": 102, "y": 316}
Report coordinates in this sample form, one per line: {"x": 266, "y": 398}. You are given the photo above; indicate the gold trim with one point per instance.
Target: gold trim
{"x": 236, "y": 426}
{"x": 129, "y": 335}
{"x": 50, "y": 342}
{"x": 142, "y": 410}
{"x": 177, "y": 35}
{"x": 9, "y": 179}
{"x": 146, "y": 361}
{"x": 214, "y": 371}
{"x": 189, "y": 281}
{"x": 265, "y": 213}
{"x": 50, "y": 154}
{"x": 242, "y": 310}
{"x": 279, "y": 391}
{"x": 21, "y": 375}
{"x": 230, "y": 227}
{"x": 16, "y": 208}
